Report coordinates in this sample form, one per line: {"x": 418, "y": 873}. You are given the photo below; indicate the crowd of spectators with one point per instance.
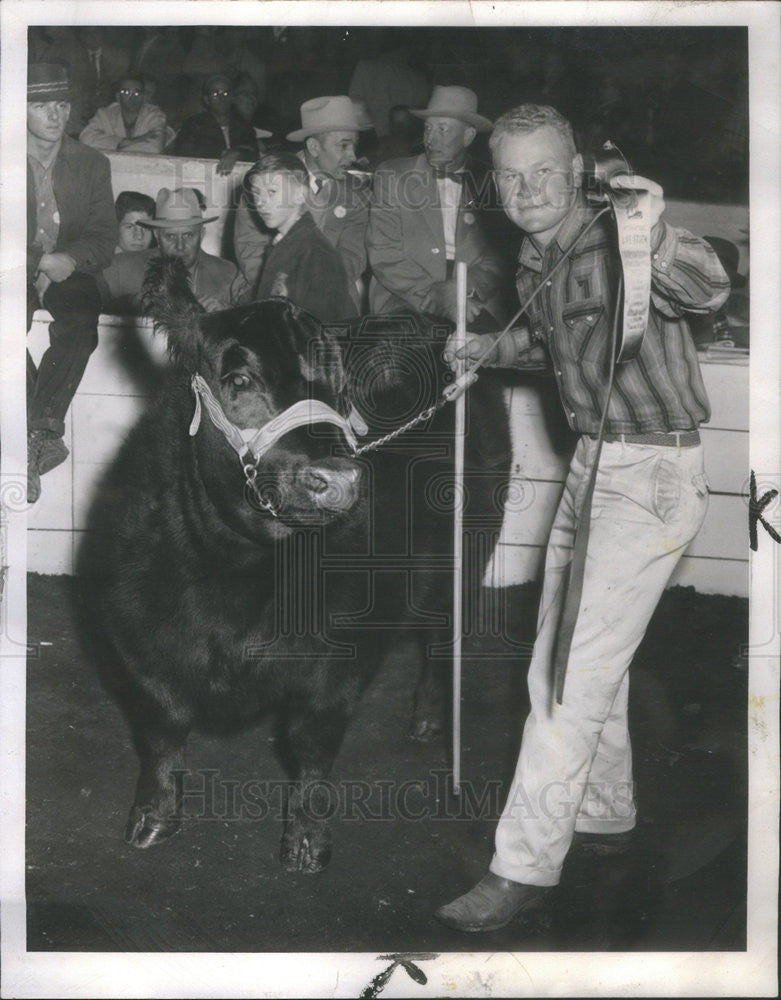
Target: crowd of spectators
{"x": 676, "y": 104}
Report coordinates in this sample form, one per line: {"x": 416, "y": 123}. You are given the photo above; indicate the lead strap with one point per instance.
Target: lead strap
{"x": 634, "y": 241}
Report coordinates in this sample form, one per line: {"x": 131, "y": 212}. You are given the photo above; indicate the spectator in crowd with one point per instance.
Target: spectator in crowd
{"x": 133, "y": 209}
{"x": 59, "y": 44}
{"x": 130, "y": 124}
{"x": 337, "y": 201}
{"x": 426, "y": 215}
{"x": 107, "y": 62}
{"x": 160, "y": 54}
{"x": 243, "y": 46}
{"x": 404, "y": 137}
{"x": 246, "y": 103}
{"x": 71, "y": 235}
{"x": 178, "y": 224}
{"x": 218, "y": 133}
{"x": 299, "y": 263}
{"x": 387, "y": 80}
{"x": 573, "y": 785}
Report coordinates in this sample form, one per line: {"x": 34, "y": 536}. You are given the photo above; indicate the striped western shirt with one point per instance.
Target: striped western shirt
{"x": 659, "y": 390}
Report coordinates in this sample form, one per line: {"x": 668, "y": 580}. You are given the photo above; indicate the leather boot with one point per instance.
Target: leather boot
{"x": 492, "y": 904}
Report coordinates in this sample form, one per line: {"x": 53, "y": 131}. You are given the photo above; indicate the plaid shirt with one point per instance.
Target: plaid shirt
{"x": 659, "y": 390}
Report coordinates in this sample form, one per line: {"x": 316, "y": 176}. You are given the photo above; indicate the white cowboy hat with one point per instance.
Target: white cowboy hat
{"x": 327, "y": 114}
{"x": 455, "y": 102}
{"x": 177, "y": 208}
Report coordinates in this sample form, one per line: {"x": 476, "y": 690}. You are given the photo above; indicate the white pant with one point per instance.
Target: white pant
{"x": 574, "y": 771}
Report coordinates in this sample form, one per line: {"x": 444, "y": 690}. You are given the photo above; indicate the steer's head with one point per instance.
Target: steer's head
{"x": 258, "y": 361}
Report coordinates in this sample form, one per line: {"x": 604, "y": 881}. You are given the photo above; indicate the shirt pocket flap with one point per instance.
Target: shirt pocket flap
{"x": 585, "y": 310}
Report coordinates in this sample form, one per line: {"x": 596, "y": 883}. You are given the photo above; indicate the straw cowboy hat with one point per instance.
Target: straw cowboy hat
{"x": 177, "y": 208}
{"x": 327, "y": 114}
{"x": 47, "y": 82}
{"x": 455, "y": 102}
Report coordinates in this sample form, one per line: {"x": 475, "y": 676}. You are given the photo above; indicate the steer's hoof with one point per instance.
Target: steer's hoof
{"x": 305, "y": 854}
{"x": 144, "y": 829}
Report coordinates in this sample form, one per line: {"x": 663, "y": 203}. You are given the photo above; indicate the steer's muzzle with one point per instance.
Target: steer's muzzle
{"x": 332, "y": 484}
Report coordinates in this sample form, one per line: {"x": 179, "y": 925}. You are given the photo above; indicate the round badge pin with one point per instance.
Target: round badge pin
{"x": 340, "y": 211}
{"x": 469, "y": 218}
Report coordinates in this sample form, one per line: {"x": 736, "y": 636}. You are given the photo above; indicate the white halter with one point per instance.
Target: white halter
{"x": 252, "y": 442}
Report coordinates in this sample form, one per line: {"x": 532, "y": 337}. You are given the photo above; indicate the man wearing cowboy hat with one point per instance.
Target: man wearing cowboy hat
{"x": 71, "y": 235}
{"x": 178, "y": 223}
{"x": 338, "y": 201}
{"x": 427, "y": 215}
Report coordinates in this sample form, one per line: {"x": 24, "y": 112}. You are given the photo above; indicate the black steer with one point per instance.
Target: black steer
{"x": 226, "y": 586}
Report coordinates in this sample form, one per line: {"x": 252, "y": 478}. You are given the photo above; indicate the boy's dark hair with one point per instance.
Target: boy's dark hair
{"x": 274, "y": 163}
{"x": 134, "y": 201}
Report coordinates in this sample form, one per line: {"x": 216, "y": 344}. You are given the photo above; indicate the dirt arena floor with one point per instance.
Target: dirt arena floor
{"x": 404, "y": 843}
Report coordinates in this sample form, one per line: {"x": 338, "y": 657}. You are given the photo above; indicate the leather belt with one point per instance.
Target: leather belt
{"x": 672, "y": 439}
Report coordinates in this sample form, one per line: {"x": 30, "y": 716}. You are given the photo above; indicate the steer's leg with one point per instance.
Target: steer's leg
{"x": 312, "y": 740}
{"x": 160, "y": 735}
{"x": 431, "y": 692}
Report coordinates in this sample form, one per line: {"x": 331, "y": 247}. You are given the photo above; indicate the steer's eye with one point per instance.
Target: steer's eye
{"x": 237, "y": 380}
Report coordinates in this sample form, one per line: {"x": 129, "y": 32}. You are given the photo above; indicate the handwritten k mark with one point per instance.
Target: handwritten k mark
{"x": 755, "y": 508}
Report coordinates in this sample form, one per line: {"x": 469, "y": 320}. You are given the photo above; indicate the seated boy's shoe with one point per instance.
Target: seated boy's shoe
{"x": 33, "y": 483}
{"x": 36, "y": 442}
{"x": 53, "y": 453}
{"x": 492, "y": 904}
{"x": 603, "y": 845}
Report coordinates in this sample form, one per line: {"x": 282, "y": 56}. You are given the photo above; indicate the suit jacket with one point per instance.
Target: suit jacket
{"x": 114, "y": 64}
{"x": 306, "y": 268}
{"x": 340, "y": 212}
{"x": 88, "y": 223}
{"x": 200, "y": 136}
{"x": 122, "y": 282}
{"x": 406, "y": 239}
{"x": 106, "y": 128}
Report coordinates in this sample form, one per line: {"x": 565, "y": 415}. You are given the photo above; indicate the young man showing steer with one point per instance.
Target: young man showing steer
{"x": 573, "y": 780}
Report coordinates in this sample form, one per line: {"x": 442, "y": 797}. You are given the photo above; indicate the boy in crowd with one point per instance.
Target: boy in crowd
{"x": 134, "y": 209}
{"x": 299, "y": 263}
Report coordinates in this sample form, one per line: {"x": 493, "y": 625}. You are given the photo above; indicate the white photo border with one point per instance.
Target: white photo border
{"x": 749, "y": 973}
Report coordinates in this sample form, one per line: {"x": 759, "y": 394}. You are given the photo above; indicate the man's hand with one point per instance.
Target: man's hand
{"x": 633, "y": 182}
{"x": 154, "y": 135}
{"x": 57, "y": 266}
{"x": 228, "y": 161}
{"x": 442, "y": 300}
{"x": 473, "y": 347}
{"x": 42, "y": 282}
{"x": 210, "y": 303}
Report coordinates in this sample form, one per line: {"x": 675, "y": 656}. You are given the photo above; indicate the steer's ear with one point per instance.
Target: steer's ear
{"x": 170, "y": 303}
{"x": 317, "y": 346}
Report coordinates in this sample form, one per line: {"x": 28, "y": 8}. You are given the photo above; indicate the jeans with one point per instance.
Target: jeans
{"x": 574, "y": 770}
{"x": 73, "y": 335}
